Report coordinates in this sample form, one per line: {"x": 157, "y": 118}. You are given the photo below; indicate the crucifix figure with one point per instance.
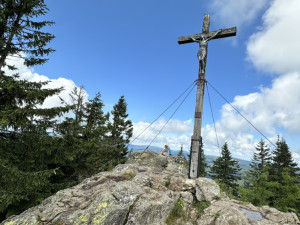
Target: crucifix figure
{"x": 203, "y": 43}
{"x": 202, "y": 39}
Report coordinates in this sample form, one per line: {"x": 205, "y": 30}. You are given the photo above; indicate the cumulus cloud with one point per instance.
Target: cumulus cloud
{"x": 237, "y": 12}
{"x": 272, "y": 106}
{"x": 275, "y": 48}
{"x": 175, "y": 133}
{"x": 29, "y": 74}
{"x": 269, "y": 110}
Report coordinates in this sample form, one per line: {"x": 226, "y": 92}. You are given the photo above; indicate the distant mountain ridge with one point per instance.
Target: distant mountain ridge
{"x": 244, "y": 164}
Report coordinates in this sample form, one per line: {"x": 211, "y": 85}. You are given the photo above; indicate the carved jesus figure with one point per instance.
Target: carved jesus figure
{"x": 203, "y": 43}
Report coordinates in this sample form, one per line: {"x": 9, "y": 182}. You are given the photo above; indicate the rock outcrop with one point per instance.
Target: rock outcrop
{"x": 148, "y": 189}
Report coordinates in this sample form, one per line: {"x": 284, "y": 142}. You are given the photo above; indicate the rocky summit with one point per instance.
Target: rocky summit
{"x": 148, "y": 189}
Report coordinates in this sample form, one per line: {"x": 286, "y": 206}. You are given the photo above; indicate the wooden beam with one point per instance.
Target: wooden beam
{"x": 223, "y": 33}
{"x": 206, "y": 23}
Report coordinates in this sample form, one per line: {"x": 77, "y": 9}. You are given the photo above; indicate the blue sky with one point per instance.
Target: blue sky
{"x": 130, "y": 48}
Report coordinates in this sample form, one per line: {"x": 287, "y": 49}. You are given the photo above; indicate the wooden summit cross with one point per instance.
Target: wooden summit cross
{"x": 202, "y": 39}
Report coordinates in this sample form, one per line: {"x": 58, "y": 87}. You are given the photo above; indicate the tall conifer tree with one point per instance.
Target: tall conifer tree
{"x": 21, "y": 33}
{"x": 26, "y": 147}
{"x": 285, "y": 179}
{"x": 256, "y": 185}
{"x": 96, "y": 141}
{"x": 95, "y": 119}
{"x": 85, "y": 143}
{"x": 226, "y": 170}
{"x": 120, "y": 128}
{"x": 261, "y": 158}
{"x": 203, "y": 164}
{"x": 282, "y": 159}
{"x": 180, "y": 153}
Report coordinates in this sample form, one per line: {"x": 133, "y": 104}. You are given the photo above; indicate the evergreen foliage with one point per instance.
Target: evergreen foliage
{"x": 285, "y": 177}
{"x": 256, "y": 184}
{"x": 20, "y": 32}
{"x": 25, "y": 142}
{"x": 286, "y": 193}
{"x": 261, "y": 159}
{"x": 85, "y": 138}
{"x": 226, "y": 170}
{"x": 38, "y": 154}
{"x": 26, "y": 146}
{"x": 180, "y": 153}
{"x": 260, "y": 190}
{"x": 120, "y": 129}
{"x": 46, "y": 156}
{"x": 274, "y": 183}
{"x": 282, "y": 158}
{"x": 96, "y": 136}
{"x": 95, "y": 119}
{"x": 203, "y": 164}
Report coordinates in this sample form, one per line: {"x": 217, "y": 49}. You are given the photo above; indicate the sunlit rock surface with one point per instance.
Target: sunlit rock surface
{"x": 145, "y": 191}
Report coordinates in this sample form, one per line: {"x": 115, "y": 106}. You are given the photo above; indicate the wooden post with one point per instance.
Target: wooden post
{"x": 195, "y": 156}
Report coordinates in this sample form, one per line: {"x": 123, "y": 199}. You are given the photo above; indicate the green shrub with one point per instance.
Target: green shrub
{"x": 167, "y": 182}
{"x": 217, "y": 215}
{"x": 129, "y": 175}
{"x": 177, "y": 212}
{"x": 200, "y": 206}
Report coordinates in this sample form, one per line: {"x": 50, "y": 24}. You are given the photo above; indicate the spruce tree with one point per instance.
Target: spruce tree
{"x": 26, "y": 148}
{"x": 286, "y": 193}
{"x": 282, "y": 159}
{"x": 21, "y": 33}
{"x": 285, "y": 179}
{"x": 84, "y": 138}
{"x": 256, "y": 184}
{"x": 260, "y": 163}
{"x": 181, "y": 159}
{"x": 226, "y": 170}
{"x": 70, "y": 145}
{"x": 203, "y": 164}
{"x": 120, "y": 129}
{"x": 95, "y": 136}
{"x": 261, "y": 158}
{"x": 95, "y": 119}
{"x": 180, "y": 153}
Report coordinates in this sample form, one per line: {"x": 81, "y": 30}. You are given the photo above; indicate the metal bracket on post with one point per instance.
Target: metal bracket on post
{"x": 201, "y": 80}
{"x": 198, "y": 114}
{"x": 196, "y": 139}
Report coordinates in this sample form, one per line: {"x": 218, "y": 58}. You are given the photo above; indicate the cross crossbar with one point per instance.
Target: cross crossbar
{"x": 223, "y": 33}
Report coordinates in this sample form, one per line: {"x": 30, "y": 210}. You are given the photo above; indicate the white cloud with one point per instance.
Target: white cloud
{"x": 28, "y": 74}
{"x": 237, "y": 12}
{"x": 175, "y": 133}
{"x": 296, "y": 154}
{"x": 276, "y": 47}
{"x": 275, "y": 106}
{"x": 241, "y": 144}
{"x": 269, "y": 110}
